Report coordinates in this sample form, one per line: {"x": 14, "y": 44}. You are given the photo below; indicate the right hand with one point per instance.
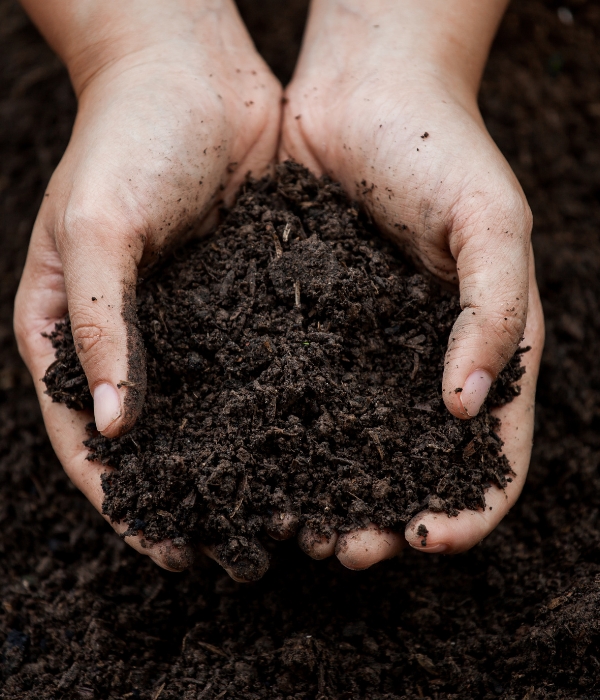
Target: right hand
{"x": 165, "y": 130}
{"x": 384, "y": 100}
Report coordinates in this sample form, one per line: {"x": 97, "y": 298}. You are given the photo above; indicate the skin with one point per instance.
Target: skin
{"x": 176, "y": 106}
{"x": 396, "y": 121}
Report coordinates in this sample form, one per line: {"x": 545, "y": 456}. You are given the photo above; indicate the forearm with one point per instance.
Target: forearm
{"x": 450, "y": 37}
{"x": 91, "y": 34}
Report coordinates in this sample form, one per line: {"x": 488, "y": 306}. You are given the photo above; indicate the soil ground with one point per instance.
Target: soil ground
{"x": 82, "y": 616}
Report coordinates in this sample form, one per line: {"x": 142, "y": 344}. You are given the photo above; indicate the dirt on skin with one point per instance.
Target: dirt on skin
{"x": 84, "y": 616}
{"x": 294, "y": 365}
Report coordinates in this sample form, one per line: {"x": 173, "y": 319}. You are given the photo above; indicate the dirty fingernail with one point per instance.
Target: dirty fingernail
{"x": 475, "y": 390}
{"x": 107, "y": 406}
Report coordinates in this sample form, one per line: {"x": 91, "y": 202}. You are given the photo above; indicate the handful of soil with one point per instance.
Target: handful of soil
{"x": 294, "y": 364}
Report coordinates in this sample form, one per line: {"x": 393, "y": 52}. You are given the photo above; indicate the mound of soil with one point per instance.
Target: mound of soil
{"x": 294, "y": 364}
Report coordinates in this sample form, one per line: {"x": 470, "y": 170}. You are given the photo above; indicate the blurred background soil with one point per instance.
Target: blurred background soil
{"x": 83, "y": 616}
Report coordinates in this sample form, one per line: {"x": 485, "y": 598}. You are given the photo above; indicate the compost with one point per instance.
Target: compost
{"x": 83, "y": 616}
{"x": 294, "y": 365}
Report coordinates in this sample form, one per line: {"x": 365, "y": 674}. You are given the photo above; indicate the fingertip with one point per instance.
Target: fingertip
{"x": 317, "y": 546}
{"x": 246, "y": 561}
{"x": 453, "y": 403}
{"x": 360, "y": 549}
{"x": 170, "y": 557}
{"x": 421, "y": 534}
{"x": 282, "y": 526}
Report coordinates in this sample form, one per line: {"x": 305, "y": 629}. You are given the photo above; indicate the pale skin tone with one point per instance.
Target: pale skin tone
{"x": 173, "y": 94}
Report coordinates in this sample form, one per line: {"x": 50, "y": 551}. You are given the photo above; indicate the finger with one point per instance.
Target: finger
{"x": 211, "y": 554}
{"x": 41, "y": 301}
{"x": 360, "y": 549}
{"x": 282, "y": 526}
{"x": 438, "y": 533}
{"x": 491, "y": 249}
{"x": 315, "y": 545}
{"x": 67, "y": 430}
{"x": 239, "y": 571}
{"x": 100, "y": 258}
{"x": 244, "y": 560}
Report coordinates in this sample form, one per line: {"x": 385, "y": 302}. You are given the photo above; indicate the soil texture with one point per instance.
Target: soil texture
{"x": 516, "y": 618}
{"x": 294, "y": 365}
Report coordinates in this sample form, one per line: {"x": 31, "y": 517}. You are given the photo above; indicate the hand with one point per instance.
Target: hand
{"x": 384, "y": 100}
{"x": 175, "y": 107}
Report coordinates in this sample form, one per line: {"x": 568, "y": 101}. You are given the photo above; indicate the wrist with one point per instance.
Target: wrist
{"x": 448, "y": 41}
{"x": 91, "y": 37}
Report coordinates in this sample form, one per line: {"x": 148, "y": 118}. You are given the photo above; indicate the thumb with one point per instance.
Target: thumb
{"x": 492, "y": 258}
{"x": 100, "y": 277}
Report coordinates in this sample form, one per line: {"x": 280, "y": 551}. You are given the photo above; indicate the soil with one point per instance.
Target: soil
{"x": 83, "y": 616}
{"x": 294, "y": 364}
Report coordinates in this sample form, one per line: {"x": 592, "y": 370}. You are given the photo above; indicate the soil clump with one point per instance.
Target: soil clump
{"x": 294, "y": 365}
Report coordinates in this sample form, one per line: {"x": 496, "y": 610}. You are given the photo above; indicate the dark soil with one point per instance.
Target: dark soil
{"x": 83, "y": 616}
{"x": 294, "y": 364}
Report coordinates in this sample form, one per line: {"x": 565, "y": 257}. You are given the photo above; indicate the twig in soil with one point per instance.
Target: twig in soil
{"x": 158, "y": 692}
{"x": 124, "y": 382}
{"x": 195, "y": 681}
{"x": 206, "y": 689}
{"x": 375, "y": 437}
{"x": 413, "y": 374}
{"x": 204, "y": 645}
{"x": 286, "y": 232}
{"x": 213, "y": 648}
{"x": 161, "y": 315}
{"x": 242, "y": 492}
{"x": 278, "y": 248}
{"x": 297, "y": 294}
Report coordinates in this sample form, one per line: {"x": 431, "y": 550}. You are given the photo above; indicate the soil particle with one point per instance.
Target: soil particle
{"x": 294, "y": 366}
{"x": 422, "y": 532}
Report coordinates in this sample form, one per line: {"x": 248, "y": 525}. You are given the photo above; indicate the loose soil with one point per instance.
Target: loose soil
{"x": 83, "y": 616}
{"x": 294, "y": 365}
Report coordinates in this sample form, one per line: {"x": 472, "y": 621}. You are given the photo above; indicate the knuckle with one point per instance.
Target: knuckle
{"x": 514, "y": 214}
{"x": 506, "y": 332}
{"x": 497, "y": 334}
{"x": 90, "y": 338}
{"x": 509, "y": 327}
{"x": 87, "y": 221}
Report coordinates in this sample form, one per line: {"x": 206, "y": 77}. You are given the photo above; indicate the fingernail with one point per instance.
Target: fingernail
{"x": 436, "y": 549}
{"x": 475, "y": 390}
{"x": 107, "y": 406}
